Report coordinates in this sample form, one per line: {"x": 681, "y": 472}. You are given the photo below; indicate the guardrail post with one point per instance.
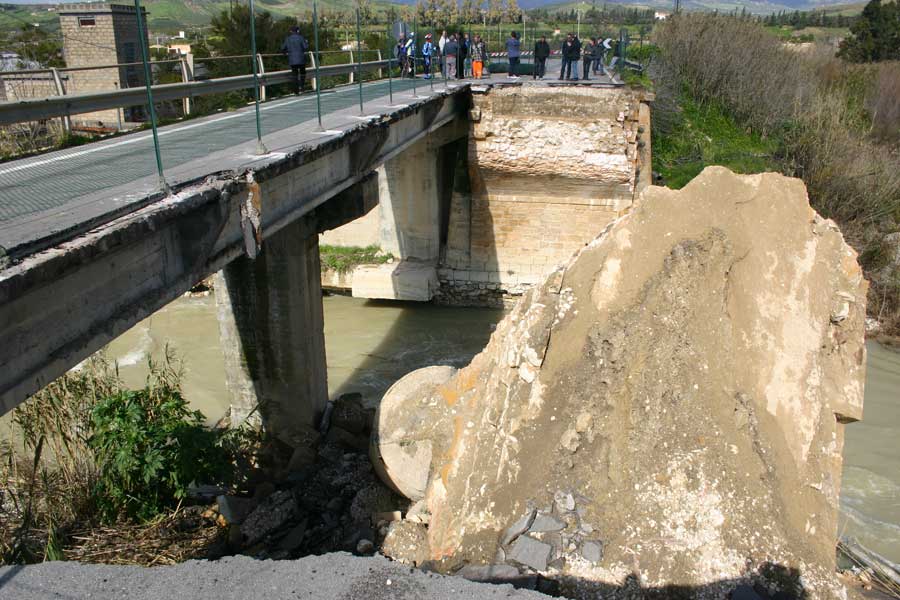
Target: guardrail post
{"x": 142, "y": 35}
{"x": 390, "y": 80}
{"x": 61, "y": 91}
{"x": 186, "y": 77}
{"x": 380, "y": 71}
{"x": 412, "y": 54}
{"x": 316, "y": 63}
{"x": 351, "y": 72}
{"x": 262, "y": 71}
{"x": 359, "y": 62}
{"x": 260, "y": 147}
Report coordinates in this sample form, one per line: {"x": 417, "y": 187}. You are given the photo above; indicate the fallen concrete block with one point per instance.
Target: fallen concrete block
{"x": 686, "y": 377}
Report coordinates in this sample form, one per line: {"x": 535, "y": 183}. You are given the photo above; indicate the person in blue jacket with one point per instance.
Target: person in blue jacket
{"x": 427, "y": 53}
{"x": 513, "y": 50}
{"x": 295, "y": 48}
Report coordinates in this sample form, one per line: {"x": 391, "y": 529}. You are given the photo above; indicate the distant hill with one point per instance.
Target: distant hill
{"x": 171, "y": 15}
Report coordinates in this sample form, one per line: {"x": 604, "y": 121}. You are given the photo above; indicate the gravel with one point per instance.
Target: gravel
{"x": 337, "y": 576}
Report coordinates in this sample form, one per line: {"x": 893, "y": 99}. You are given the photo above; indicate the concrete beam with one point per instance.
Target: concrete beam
{"x": 61, "y": 305}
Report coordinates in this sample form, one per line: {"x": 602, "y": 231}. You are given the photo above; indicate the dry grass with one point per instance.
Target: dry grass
{"x": 167, "y": 540}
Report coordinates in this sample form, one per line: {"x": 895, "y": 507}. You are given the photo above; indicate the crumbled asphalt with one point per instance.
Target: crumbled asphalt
{"x": 338, "y": 576}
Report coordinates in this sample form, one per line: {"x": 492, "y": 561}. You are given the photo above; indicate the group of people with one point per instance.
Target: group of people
{"x": 591, "y": 54}
{"x": 459, "y": 56}
{"x": 456, "y": 55}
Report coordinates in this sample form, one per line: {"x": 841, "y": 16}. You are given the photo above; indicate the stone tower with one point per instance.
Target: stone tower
{"x": 102, "y": 35}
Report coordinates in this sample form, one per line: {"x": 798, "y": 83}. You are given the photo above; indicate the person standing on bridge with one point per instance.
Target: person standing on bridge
{"x": 451, "y": 50}
{"x": 513, "y": 51}
{"x": 462, "y": 56}
{"x": 569, "y": 55}
{"x": 441, "y": 43}
{"x": 541, "y": 54}
{"x": 587, "y": 56}
{"x": 295, "y": 48}
{"x": 478, "y": 52}
{"x": 427, "y": 53}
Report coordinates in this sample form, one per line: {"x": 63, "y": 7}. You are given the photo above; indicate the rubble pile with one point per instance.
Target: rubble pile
{"x": 662, "y": 416}
{"x": 314, "y": 495}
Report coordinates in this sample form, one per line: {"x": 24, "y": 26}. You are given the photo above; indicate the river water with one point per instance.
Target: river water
{"x": 371, "y": 344}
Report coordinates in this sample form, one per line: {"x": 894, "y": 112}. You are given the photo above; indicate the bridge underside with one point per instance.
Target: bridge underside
{"x": 59, "y": 306}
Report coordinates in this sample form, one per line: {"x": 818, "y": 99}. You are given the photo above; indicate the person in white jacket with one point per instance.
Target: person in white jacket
{"x": 441, "y": 43}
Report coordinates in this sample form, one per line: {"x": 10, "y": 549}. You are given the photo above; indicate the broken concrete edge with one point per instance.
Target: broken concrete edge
{"x": 265, "y": 167}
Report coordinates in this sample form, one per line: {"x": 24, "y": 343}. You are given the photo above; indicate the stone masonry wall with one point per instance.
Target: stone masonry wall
{"x": 112, "y": 39}
{"x": 547, "y": 170}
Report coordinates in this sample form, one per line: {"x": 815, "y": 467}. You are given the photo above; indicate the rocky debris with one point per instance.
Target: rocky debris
{"x": 365, "y": 546}
{"x": 685, "y": 378}
{"x": 272, "y": 514}
{"x": 406, "y": 542}
{"x": 531, "y": 553}
{"x": 234, "y": 509}
{"x": 350, "y": 415}
{"x": 314, "y": 492}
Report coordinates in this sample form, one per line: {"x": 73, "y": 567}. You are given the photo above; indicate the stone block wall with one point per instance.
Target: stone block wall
{"x": 112, "y": 38}
{"x": 548, "y": 169}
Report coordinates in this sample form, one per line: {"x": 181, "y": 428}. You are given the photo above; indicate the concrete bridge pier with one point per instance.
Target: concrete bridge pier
{"x": 413, "y": 193}
{"x": 271, "y": 324}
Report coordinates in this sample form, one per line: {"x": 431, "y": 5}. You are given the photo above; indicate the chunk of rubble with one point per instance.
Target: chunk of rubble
{"x": 531, "y": 553}
{"x": 270, "y": 516}
{"x": 692, "y": 384}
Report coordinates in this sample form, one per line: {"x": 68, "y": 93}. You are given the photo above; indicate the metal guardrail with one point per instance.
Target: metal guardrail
{"x": 65, "y": 106}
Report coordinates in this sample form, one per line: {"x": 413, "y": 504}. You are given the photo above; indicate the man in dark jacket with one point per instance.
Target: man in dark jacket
{"x": 571, "y": 54}
{"x": 451, "y": 52}
{"x": 541, "y": 53}
{"x": 463, "y": 41}
{"x": 295, "y": 48}
{"x": 575, "y": 57}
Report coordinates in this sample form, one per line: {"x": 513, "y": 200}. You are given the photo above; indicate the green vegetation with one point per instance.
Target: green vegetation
{"x": 96, "y": 453}
{"x": 345, "y": 258}
{"x": 148, "y": 446}
{"x": 705, "y": 135}
{"x": 727, "y": 91}
{"x": 876, "y": 35}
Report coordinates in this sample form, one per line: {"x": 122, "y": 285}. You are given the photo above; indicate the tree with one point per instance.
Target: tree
{"x": 470, "y": 12}
{"x": 875, "y": 36}
{"x": 513, "y": 12}
{"x": 495, "y": 11}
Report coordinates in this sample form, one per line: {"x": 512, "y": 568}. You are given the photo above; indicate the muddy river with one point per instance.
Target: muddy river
{"x": 371, "y": 344}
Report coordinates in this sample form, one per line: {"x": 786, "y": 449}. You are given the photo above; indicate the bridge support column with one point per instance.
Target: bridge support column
{"x": 271, "y": 324}
{"x": 409, "y": 228}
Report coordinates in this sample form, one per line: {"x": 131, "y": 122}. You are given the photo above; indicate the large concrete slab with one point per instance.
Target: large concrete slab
{"x": 62, "y": 304}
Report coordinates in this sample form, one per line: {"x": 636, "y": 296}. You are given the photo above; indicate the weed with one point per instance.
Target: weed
{"x": 345, "y": 258}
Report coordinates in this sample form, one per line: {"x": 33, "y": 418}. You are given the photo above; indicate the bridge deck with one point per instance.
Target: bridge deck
{"x": 53, "y": 195}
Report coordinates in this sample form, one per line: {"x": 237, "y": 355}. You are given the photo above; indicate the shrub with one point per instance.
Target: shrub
{"x": 148, "y": 446}
{"x": 345, "y": 258}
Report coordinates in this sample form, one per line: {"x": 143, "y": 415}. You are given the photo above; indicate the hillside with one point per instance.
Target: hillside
{"x": 171, "y": 15}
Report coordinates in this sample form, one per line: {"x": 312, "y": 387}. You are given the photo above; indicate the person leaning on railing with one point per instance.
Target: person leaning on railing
{"x": 295, "y": 48}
